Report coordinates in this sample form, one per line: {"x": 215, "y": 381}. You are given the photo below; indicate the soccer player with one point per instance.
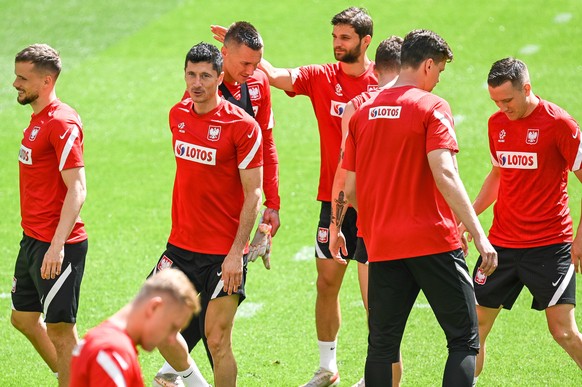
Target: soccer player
{"x": 217, "y": 193}
{"x": 248, "y": 88}
{"x": 50, "y": 263}
{"x": 402, "y": 179}
{"x": 533, "y": 145}
{"x": 386, "y": 67}
{"x": 107, "y": 355}
{"x": 329, "y": 88}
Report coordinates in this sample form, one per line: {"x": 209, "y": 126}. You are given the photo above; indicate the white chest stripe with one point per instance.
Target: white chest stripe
{"x": 578, "y": 162}
{"x": 446, "y": 122}
{"x": 68, "y": 146}
{"x": 111, "y": 369}
{"x": 251, "y": 155}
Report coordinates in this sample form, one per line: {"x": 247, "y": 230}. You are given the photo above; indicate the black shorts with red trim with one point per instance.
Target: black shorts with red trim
{"x": 203, "y": 270}
{"x": 58, "y": 298}
{"x": 349, "y": 230}
{"x": 547, "y": 272}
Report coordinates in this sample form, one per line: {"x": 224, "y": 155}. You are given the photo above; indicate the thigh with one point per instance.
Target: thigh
{"x": 25, "y": 294}
{"x": 348, "y": 229}
{"x": 60, "y": 296}
{"x": 548, "y": 273}
{"x": 503, "y": 286}
{"x": 391, "y": 294}
{"x": 444, "y": 279}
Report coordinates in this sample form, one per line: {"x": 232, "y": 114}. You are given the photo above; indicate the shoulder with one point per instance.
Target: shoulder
{"x": 235, "y": 114}
{"x": 61, "y": 112}
{"x": 554, "y": 111}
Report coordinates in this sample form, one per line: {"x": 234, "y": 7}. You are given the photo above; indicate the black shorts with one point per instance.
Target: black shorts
{"x": 58, "y": 298}
{"x": 349, "y": 230}
{"x": 546, "y": 271}
{"x": 203, "y": 270}
{"x": 393, "y": 287}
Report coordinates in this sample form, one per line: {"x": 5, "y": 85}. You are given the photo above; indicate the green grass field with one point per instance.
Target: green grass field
{"x": 123, "y": 71}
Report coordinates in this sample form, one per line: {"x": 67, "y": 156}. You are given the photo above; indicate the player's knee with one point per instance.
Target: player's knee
{"x": 61, "y": 334}
{"x": 328, "y": 285}
{"x": 23, "y": 325}
{"x": 218, "y": 345}
{"x": 564, "y": 336}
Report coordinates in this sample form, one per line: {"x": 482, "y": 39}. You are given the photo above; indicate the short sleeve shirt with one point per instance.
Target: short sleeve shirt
{"x": 52, "y": 142}
{"x": 401, "y": 213}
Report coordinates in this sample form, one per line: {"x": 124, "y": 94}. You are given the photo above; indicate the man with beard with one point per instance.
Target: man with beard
{"x": 49, "y": 267}
{"x": 330, "y": 87}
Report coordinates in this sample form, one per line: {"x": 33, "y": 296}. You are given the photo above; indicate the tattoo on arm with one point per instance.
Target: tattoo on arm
{"x": 340, "y": 204}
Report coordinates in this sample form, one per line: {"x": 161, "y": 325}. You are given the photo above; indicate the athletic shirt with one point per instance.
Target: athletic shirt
{"x": 208, "y": 195}
{"x": 401, "y": 213}
{"x": 52, "y": 142}
{"x": 260, "y": 96}
{"x": 105, "y": 357}
{"x": 534, "y": 155}
{"x": 329, "y": 89}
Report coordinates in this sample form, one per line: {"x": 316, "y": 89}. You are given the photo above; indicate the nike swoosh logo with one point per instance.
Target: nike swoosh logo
{"x": 555, "y": 283}
{"x": 219, "y": 274}
{"x": 250, "y": 135}
{"x": 64, "y": 134}
{"x": 184, "y": 377}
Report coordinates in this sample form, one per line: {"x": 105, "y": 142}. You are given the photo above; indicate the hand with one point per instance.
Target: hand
{"x": 271, "y": 217}
{"x": 577, "y": 253}
{"x": 52, "y": 262}
{"x": 232, "y": 269}
{"x": 260, "y": 246}
{"x": 337, "y": 243}
{"x": 488, "y": 255}
{"x": 219, "y": 32}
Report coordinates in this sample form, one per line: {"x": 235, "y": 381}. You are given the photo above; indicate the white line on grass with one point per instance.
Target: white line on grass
{"x": 306, "y": 253}
{"x": 248, "y": 309}
{"x": 563, "y": 17}
{"x": 529, "y": 49}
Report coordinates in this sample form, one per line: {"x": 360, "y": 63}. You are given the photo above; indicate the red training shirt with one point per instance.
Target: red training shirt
{"x": 210, "y": 149}
{"x": 105, "y": 357}
{"x": 400, "y": 210}
{"x": 329, "y": 89}
{"x": 534, "y": 155}
{"x": 52, "y": 142}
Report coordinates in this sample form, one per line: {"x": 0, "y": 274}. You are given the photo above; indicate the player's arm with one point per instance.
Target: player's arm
{"x": 339, "y": 202}
{"x": 232, "y": 266}
{"x": 351, "y": 189}
{"x": 74, "y": 179}
{"x": 577, "y": 244}
{"x": 449, "y": 184}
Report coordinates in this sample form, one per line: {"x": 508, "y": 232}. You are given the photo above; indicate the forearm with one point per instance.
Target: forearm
{"x": 278, "y": 77}
{"x": 339, "y": 202}
{"x": 248, "y": 215}
{"x": 72, "y": 204}
{"x": 488, "y": 193}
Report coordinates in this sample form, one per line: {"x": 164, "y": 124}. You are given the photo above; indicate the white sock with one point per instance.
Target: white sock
{"x": 475, "y": 380}
{"x": 192, "y": 377}
{"x": 327, "y": 355}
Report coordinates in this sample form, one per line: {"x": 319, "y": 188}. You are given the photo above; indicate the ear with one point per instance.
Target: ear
{"x": 527, "y": 89}
{"x": 428, "y": 64}
{"x": 223, "y": 51}
{"x": 367, "y": 40}
{"x": 220, "y": 77}
{"x": 153, "y": 305}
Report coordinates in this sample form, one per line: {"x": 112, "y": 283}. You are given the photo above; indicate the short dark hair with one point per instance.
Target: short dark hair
{"x": 242, "y": 32}
{"x": 43, "y": 57}
{"x": 388, "y": 54}
{"x": 508, "y": 69}
{"x": 356, "y": 17}
{"x": 205, "y": 52}
{"x": 419, "y": 45}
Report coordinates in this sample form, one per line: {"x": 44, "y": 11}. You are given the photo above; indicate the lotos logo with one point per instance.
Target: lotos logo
{"x": 518, "y": 160}
{"x": 25, "y": 155}
{"x": 196, "y": 153}
{"x": 389, "y": 112}
{"x": 337, "y": 108}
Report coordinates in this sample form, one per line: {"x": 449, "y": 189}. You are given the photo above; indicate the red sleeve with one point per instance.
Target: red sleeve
{"x": 440, "y": 130}
{"x": 66, "y": 136}
{"x": 569, "y": 141}
{"x": 249, "y": 145}
{"x": 270, "y": 171}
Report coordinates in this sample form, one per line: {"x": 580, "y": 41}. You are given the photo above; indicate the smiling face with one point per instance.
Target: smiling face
{"x": 29, "y": 82}
{"x": 512, "y": 101}
{"x": 240, "y": 62}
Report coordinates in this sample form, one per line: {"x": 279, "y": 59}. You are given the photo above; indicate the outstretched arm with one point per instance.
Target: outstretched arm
{"x": 449, "y": 184}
